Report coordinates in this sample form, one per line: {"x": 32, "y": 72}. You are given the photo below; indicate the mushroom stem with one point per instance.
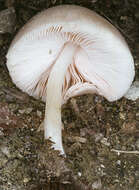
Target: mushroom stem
{"x": 52, "y": 120}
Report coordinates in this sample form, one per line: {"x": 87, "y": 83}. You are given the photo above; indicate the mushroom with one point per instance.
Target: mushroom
{"x": 66, "y": 51}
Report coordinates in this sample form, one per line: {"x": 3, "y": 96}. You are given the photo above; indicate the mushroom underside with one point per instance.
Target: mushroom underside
{"x": 57, "y": 64}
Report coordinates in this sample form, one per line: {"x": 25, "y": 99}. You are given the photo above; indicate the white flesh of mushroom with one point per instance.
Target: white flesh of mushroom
{"x": 52, "y": 121}
{"x": 68, "y": 51}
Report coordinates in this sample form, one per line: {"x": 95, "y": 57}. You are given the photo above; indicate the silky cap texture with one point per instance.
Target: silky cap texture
{"x": 103, "y": 63}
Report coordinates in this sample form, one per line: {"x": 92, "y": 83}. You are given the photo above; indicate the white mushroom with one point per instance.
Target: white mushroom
{"x": 68, "y": 51}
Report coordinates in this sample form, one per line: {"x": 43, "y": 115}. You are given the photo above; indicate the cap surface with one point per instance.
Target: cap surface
{"x": 103, "y": 63}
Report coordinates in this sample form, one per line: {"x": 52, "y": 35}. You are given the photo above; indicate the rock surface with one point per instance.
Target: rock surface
{"x": 7, "y": 21}
{"x": 133, "y": 93}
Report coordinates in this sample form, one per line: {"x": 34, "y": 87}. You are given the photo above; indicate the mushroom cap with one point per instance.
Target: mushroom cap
{"x": 103, "y": 63}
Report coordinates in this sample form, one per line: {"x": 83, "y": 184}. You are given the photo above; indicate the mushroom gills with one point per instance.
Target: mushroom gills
{"x": 57, "y": 56}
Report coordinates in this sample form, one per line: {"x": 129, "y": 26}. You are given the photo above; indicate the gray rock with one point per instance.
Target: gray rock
{"x": 133, "y": 92}
{"x": 7, "y": 20}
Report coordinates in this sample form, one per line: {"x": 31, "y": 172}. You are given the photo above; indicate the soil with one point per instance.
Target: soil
{"x": 101, "y": 138}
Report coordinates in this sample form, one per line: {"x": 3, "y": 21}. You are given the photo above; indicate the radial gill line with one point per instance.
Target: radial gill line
{"x": 84, "y": 40}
